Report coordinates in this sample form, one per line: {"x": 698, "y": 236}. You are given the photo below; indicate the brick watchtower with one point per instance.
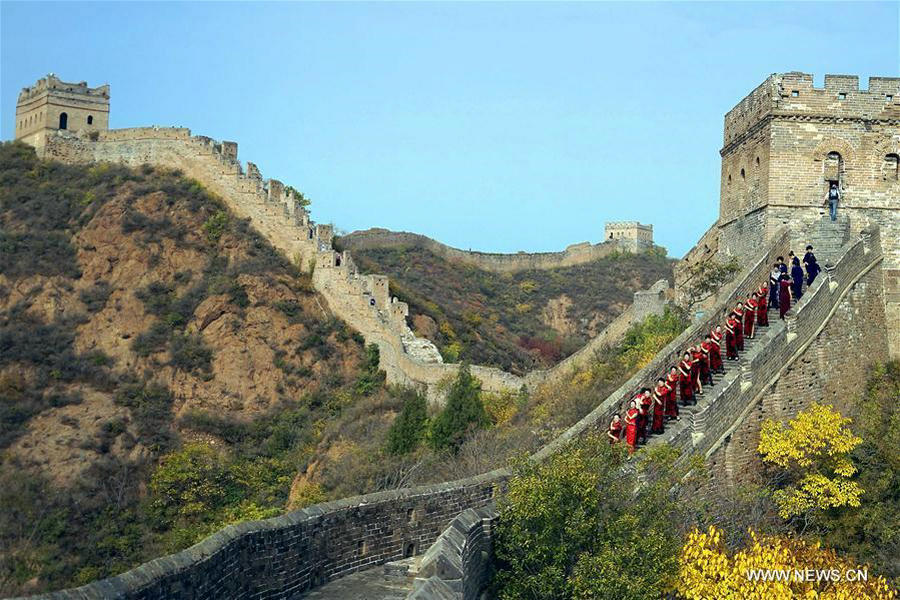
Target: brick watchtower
{"x": 52, "y": 105}
{"x": 788, "y": 142}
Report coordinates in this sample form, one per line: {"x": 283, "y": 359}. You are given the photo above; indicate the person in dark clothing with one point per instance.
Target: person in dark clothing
{"x": 774, "y": 276}
{"x": 833, "y": 197}
{"x": 812, "y": 267}
{"x": 796, "y": 279}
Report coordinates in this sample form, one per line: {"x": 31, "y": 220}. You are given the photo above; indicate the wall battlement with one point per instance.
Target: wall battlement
{"x": 286, "y": 555}
{"x": 363, "y": 301}
{"x": 794, "y": 95}
{"x": 788, "y": 142}
{"x": 494, "y": 262}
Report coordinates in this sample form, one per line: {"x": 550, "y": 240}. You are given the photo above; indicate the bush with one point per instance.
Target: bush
{"x": 150, "y": 405}
{"x": 215, "y": 226}
{"x": 95, "y": 297}
{"x": 572, "y": 527}
{"x": 189, "y": 353}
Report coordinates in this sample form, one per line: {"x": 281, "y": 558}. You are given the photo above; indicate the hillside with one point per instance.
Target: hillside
{"x": 163, "y": 371}
{"x": 515, "y": 321}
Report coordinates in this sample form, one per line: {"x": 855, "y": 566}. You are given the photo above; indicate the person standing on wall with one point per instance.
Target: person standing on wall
{"x": 672, "y": 397}
{"x": 812, "y": 267}
{"x": 660, "y": 396}
{"x": 687, "y": 386}
{"x": 796, "y": 279}
{"x": 774, "y": 276}
{"x": 834, "y": 195}
{"x": 631, "y": 417}
{"x": 762, "y": 307}
{"x": 784, "y": 295}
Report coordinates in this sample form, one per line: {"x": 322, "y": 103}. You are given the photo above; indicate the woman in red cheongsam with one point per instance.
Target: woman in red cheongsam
{"x": 631, "y": 417}
{"x": 762, "y": 306}
{"x": 615, "y": 430}
{"x": 660, "y": 394}
{"x": 750, "y": 315}
{"x": 672, "y": 398}
{"x": 686, "y": 384}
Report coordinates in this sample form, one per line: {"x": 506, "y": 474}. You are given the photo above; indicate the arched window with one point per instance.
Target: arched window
{"x": 833, "y": 164}
{"x": 889, "y": 170}
{"x": 90, "y": 119}
{"x": 757, "y": 161}
{"x": 63, "y": 120}
{"x": 743, "y": 175}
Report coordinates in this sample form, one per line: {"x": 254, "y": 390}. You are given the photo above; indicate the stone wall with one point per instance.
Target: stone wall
{"x": 282, "y": 556}
{"x": 575, "y": 254}
{"x": 783, "y": 145}
{"x": 457, "y": 565}
{"x": 831, "y": 368}
{"x": 363, "y": 301}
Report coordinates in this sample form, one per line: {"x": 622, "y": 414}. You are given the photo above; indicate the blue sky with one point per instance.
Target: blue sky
{"x": 498, "y": 127}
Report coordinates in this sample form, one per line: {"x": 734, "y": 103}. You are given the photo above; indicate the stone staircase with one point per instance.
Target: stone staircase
{"x": 692, "y": 418}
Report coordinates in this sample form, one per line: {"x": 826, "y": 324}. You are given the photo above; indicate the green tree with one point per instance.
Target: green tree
{"x": 371, "y": 377}
{"x": 408, "y": 428}
{"x": 463, "y": 412}
{"x": 573, "y": 527}
{"x": 871, "y": 532}
{"x": 705, "y": 278}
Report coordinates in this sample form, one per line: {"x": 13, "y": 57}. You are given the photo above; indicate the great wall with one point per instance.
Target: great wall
{"x": 847, "y": 320}
{"x": 363, "y": 301}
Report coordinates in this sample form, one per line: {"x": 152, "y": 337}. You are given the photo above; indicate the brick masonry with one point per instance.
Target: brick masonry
{"x": 783, "y": 145}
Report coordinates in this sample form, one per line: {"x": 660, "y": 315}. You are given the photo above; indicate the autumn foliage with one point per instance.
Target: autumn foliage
{"x": 706, "y": 569}
{"x": 813, "y": 451}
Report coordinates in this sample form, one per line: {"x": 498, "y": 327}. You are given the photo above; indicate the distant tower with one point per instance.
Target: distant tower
{"x": 51, "y": 105}
{"x": 629, "y": 235}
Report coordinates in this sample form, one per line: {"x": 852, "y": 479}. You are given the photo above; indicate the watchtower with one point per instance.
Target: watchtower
{"x": 631, "y": 235}
{"x": 788, "y": 142}
{"x": 52, "y": 105}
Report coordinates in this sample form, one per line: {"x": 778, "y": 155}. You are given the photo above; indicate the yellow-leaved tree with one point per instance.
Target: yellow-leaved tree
{"x": 813, "y": 454}
{"x": 771, "y": 568}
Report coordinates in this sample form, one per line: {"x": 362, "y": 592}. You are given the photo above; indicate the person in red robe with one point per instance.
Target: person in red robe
{"x": 614, "y": 433}
{"x": 687, "y": 386}
{"x": 739, "y": 326}
{"x": 762, "y": 306}
{"x": 706, "y": 365}
{"x": 631, "y": 417}
{"x": 672, "y": 397}
{"x": 696, "y": 368}
{"x": 645, "y": 406}
{"x": 730, "y": 338}
{"x": 715, "y": 352}
{"x": 784, "y": 294}
{"x": 750, "y": 315}
{"x": 660, "y": 394}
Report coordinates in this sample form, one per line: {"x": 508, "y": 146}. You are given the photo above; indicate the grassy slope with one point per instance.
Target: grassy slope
{"x": 163, "y": 371}
{"x": 500, "y": 320}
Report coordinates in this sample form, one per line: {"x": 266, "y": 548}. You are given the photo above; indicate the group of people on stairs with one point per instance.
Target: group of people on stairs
{"x": 783, "y": 286}
{"x": 650, "y": 409}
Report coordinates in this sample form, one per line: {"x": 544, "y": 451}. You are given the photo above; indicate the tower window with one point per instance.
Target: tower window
{"x": 743, "y": 175}
{"x": 795, "y": 93}
{"x": 90, "y": 119}
{"x": 757, "y": 161}
{"x": 891, "y": 167}
{"x": 842, "y": 96}
{"x": 889, "y": 97}
{"x": 63, "y": 120}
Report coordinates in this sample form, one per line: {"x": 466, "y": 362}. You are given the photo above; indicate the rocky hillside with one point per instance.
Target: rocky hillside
{"x": 519, "y": 321}
{"x": 163, "y": 371}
